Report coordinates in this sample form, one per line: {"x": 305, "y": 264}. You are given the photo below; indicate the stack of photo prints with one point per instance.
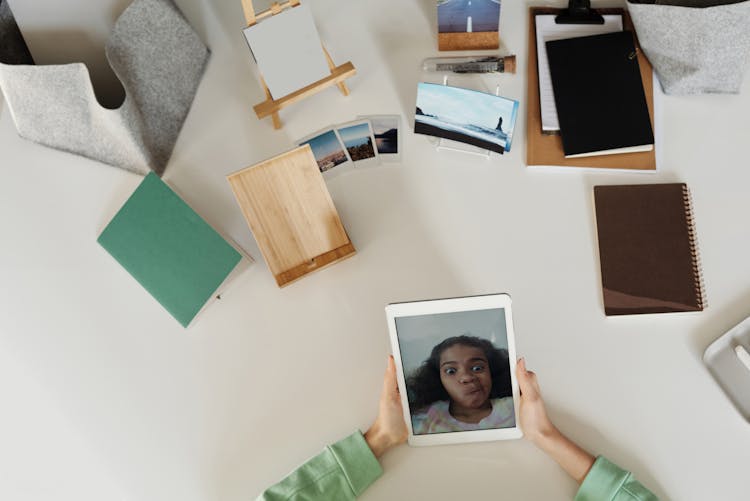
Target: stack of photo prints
{"x": 366, "y": 141}
{"x": 468, "y": 116}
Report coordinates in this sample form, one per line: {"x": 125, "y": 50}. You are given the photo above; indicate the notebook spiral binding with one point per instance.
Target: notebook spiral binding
{"x": 694, "y": 250}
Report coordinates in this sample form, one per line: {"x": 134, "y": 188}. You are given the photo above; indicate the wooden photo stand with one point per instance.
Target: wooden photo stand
{"x": 271, "y": 107}
{"x": 291, "y": 215}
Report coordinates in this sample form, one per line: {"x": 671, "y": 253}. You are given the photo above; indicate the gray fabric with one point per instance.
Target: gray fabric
{"x": 695, "y": 50}
{"x": 13, "y": 49}
{"x": 688, "y": 3}
{"x": 160, "y": 61}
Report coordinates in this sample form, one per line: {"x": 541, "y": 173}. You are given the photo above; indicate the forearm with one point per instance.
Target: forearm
{"x": 379, "y": 440}
{"x": 573, "y": 459}
{"x": 342, "y": 471}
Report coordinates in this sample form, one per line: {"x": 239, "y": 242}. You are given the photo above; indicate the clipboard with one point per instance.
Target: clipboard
{"x": 546, "y": 149}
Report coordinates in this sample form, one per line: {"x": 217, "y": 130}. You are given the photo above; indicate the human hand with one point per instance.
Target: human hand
{"x": 535, "y": 423}
{"x": 389, "y": 428}
{"x": 538, "y": 428}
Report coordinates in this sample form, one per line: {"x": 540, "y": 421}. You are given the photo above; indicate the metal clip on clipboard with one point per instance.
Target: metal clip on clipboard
{"x": 579, "y": 12}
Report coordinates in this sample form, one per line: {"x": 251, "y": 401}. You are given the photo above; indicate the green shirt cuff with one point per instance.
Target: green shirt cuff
{"x": 359, "y": 464}
{"x": 603, "y": 481}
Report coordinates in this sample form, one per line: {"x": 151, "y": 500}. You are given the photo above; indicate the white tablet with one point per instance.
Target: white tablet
{"x": 456, "y": 363}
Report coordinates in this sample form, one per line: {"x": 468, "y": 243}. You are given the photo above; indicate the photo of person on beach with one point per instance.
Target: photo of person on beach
{"x": 477, "y": 118}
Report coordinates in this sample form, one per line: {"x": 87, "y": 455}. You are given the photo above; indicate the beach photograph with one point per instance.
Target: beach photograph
{"x": 327, "y": 150}
{"x": 358, "y": 140}
{"x": 464, "y": 115}
{"x": 385, "y": 130}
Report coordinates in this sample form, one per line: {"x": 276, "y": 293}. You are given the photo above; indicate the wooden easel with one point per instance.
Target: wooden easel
{"x": 271, "y": 107}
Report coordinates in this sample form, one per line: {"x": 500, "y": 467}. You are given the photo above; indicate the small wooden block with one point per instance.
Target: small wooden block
{"x": 478, "y": 40}
{"x": 317, "y": 263}
{"x": 290, "y": 212}
{"x": 276, "y": 8}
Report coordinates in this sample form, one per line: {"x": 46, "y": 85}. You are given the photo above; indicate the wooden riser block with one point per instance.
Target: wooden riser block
{"x": 480, "y": 40}
{"x": 318, "y": 263}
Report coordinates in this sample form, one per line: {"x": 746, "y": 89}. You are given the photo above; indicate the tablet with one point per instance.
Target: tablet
{"x": 456, "y": 363}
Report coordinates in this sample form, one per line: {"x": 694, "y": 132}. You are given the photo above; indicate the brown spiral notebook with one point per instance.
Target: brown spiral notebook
{"x": 648, "y": 249}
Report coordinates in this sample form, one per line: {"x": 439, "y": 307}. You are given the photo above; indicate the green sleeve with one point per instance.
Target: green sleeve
{"x": 341, "y": 472}
{"x": 607, "y": 481}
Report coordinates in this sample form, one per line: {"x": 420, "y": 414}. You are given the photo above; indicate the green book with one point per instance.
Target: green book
{"x": 169, "y": 249}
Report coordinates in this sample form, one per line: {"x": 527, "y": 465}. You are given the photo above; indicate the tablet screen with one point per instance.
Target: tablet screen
{"x": 456, "y": 368}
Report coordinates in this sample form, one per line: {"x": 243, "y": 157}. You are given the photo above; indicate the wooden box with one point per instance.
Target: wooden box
{"x": 291, "y": 215}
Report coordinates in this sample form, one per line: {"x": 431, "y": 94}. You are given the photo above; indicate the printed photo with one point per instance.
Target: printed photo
{"x": 327, "y": 150}
{"x": 464, "y": 115}
{"x": 468, "y": 16}
{"x": 358, "y": 140}
{"x": 385, "y": 129}
{"x": 457, "y": 371}
{"x": 468, "y": 24}
{"x": 387, "y": 132}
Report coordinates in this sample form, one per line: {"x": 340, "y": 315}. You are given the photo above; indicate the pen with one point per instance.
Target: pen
{"x": 471, "y": 64}
{"x": 743, "y": 355}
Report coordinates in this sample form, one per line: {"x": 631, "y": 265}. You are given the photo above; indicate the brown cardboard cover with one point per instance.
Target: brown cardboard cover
{"x": 647, "y": 249}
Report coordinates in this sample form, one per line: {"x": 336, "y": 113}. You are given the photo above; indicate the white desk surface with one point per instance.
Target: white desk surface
{"x": 105, "y": 396}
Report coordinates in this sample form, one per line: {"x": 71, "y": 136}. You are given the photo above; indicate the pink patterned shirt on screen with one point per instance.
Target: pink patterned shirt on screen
{"x": 438, "y": 419}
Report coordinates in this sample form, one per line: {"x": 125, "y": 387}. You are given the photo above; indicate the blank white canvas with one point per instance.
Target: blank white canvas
{"x": 288, "y": 51}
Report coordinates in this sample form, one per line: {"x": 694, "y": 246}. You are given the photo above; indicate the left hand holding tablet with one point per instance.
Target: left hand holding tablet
{"x": 389, "y": 428}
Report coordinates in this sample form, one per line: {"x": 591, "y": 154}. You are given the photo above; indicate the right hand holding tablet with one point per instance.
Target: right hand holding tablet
{"x": 535, "y": 424}
{"x": 538, "y": 428}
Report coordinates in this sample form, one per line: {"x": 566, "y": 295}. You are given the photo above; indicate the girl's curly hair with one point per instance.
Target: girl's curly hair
{"x": 424, "y": 386}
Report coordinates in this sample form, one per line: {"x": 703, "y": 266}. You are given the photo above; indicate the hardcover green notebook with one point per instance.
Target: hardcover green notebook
{"x": 169, "y": 249}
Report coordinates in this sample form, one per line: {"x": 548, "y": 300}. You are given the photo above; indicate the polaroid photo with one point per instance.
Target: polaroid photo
{"x": 387, "y": 131}
{"x": 328, "y": 151}
{"x": 466, "y": 26}
{"x": 359, "y": 142}
{"x": 468, "y": 116}
{"x": 456, "y": 362}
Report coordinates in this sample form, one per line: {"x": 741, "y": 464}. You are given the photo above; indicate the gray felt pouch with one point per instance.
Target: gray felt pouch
{"x": 695, "y": 46}
{"x": 159, "y": 60}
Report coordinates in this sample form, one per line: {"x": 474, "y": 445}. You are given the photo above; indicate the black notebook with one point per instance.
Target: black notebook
{"x": 599, "y": 95}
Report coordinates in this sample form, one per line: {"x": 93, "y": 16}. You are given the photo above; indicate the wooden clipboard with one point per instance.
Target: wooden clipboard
{"x": 546, "y": 149}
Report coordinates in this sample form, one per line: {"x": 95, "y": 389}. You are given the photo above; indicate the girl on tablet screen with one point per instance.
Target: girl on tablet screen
{"x": 463, "y": 385}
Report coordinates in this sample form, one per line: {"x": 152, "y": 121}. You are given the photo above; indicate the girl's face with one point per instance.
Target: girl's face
{"x": 465, "y": 374}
